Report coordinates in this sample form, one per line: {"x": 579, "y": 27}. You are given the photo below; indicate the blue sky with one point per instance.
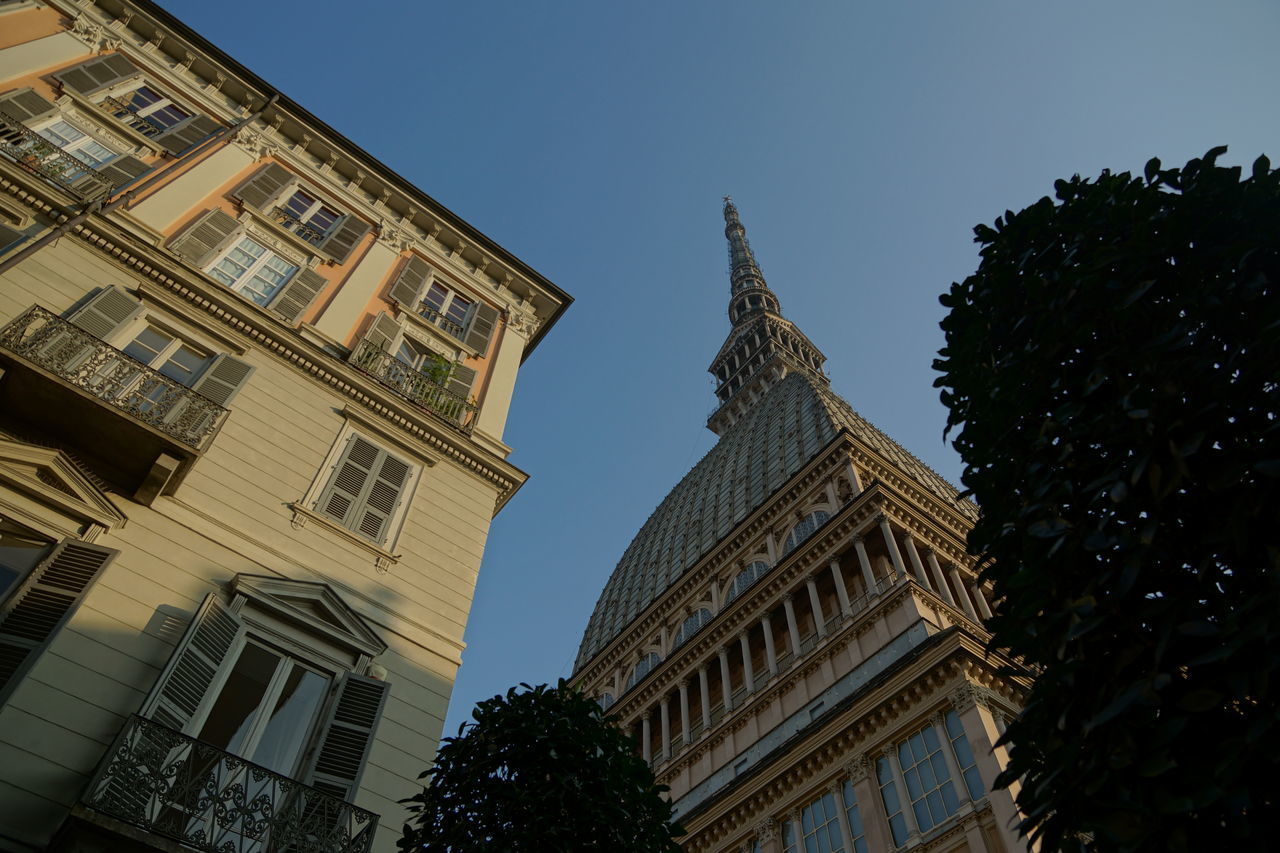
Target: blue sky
{"x": 861, "y": 141}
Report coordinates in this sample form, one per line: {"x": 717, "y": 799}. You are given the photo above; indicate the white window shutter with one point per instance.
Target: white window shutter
{"x": 297, "y": 294}
{"x": 184, "y": 135}
{"x": 382, "y": 334}
{"x": 407, "y": 288}
{"x": 201, "y": 240}
{"x": 460, "y": 381}
{"x": 343, "y": 495}
{"x": 25, "y": 106}
{"x": 180, "y": 691}
{"x": 33, "y": 614}
{"x": 483, "y": 320}
{"x": 342, "y": 240}
{"x": 97, "y": 74}
{"x": 223, "y": 379}
{"x": 264, "y": 186}
{"x": 347, "y": 735}
{"x": 110, "y": 310}
{"x": 122, "y": 170}
{"x": 383, "y": 496}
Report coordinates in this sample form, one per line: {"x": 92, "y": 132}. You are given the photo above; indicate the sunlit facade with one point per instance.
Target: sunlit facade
{"x": 795, "y": 636}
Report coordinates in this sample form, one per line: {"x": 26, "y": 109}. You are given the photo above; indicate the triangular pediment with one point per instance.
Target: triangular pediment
{"x": 314, "y": 605}
{"x": 54, "y": 478}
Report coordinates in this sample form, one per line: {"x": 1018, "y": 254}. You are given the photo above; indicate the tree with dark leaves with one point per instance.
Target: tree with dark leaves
{"x": 539, "y": 771}
{"x": 1113, "y": 369}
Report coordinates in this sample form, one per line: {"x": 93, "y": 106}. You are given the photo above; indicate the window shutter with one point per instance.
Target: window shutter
{"x": 407, "y": 288}
{"x": 195, "y": 662}
{"x": 122, "y": 170}
{"x": 201, "y": 239}
{"x": 223, "y": 379}
{"x": 382, "y": 333}
{"x": 342, "y": 495}
{"x": 264, "y": 186}
{"x": 384, "y": 496}
{"x": 25, "y": 106}
{"x": 343, "y": 239}
{"x": 297, "y": 294}
{"x": 483, "y": 320}
{"x": 106, "y": 313}
{"x": 347, "y": 735}
{"x": 182, "y": 136}
{"x": 97, "y": 74}
{"x": 43, "y": 603}
{"x": 460, "y": 381}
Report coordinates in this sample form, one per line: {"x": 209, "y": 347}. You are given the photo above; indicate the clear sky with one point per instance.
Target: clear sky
{"x": 861, "y": 141}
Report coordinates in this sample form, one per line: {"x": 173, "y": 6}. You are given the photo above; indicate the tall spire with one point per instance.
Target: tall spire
{"x": 763, "y": 346}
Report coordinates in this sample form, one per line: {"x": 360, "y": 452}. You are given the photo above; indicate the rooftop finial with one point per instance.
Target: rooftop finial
{"x": 743, "y": 270}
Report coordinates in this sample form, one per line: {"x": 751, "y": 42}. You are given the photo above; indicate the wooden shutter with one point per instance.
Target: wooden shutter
{"x": 106, "y": 313}
{"x": 97, "y": 74}
{"x": 344, "y": 493}
{"x": 180, "y": 137}
{"x": 297, "y": 294}
{"x": 194, "y": 664}
{"x": 43, "y": 603}
{"x": 460, "y": 381}
{"x": 25, "y": 106}
{"x": 199, "y": 241}
{"x": 483, "y": 319}
{"x": 223, "y": 379}
{"x": 347, "y": 735}
{"x": 382, "y": 333}
{"x": 342, "y": 240}
{"x": 383, "y": 496}
{"x": 264, "y": 186}
{"x": 407, "y": 288}
{"x": 122, "y": 170}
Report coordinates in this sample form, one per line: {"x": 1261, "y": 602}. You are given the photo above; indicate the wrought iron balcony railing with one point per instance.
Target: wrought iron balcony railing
{"x": 431, "y": 315}
{"x": 415, "y": 385}
{"x": 128, "y": 114}
{"x": 179, "y": 788}
{"x": 41, "y": 157}
{"x": 303, "y": 230}
{"x": 51, "y": 343}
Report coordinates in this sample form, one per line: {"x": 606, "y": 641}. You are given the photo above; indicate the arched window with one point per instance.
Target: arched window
{"x": 804, "y": 529}
{"x": 749, "y": 575}
{"x": 691, "y": 626}
{"x": 606, "y": 700}
{"x": 646, "y": 665}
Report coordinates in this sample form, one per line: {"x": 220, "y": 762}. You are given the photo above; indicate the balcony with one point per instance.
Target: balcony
{"x": 304, "y": 231}
{"x": 41, "y": 157}
{"x": 416, "y": 386}
{"x": 434, "y": 317}
{"x": 128, "y": 113}
{"x": 178, "y": 789}
{"x": 129, "y": 422}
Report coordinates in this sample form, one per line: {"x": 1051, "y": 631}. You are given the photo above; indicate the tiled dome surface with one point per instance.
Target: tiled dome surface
{"x": 784, "y": 430}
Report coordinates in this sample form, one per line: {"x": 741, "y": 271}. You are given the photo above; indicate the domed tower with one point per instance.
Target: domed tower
{"x": 795, "y": 635}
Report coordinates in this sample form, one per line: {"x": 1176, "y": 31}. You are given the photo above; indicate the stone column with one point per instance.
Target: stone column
{"x": 832, "y": 497}
{"x": 684, "y": 710}
{"x": 868, "y": 576}
{"x": 704, "y": 692}
{"x": 835, "y": 789}
{"x": 939, "y": 724}
{"x": 870, "y": 809}
{"x": 841, "y": 593}
{"x": 892, "y": 544}
{"x": 980, "y": 599}
{"x": 726, "y": 686}
{"x": 904, "y": 798}
{"x": 770, "y": 654}
{"x": 980, "y": 730}
{"x": 665, "y": 721}
{"x": 793, "y": 628}
{"x": 913, "y": 555}
{"x": 819, "y": 619}
{"x": 940, "y": 583}
{"x": 645, "y": 735}
{"x": 769, "y": 835}
{"x": 854, "y": 480}
{"x": 961, "y": 594}
{"x": 771, "y": 548}
{"x": 748, "y": 677}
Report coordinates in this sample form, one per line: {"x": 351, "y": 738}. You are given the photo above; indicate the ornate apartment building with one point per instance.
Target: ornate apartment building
{"x": 253, "y": 386}
{"x": 795, "y": 636}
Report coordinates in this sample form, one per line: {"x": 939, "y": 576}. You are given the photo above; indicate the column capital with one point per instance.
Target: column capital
{"x": 767, "y": 829}
{"x": 881, "y": 518}
{"x": 969, "y": 695}
{"x": 857, "y": 538}
{"x": 907, "y": 534}
{"x": 858, "y": 768}
{"x": 702, "y": 668}
{"x": 683, "y": 684}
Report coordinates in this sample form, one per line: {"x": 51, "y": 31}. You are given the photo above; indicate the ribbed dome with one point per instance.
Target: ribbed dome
{"x": 777, "y": 437}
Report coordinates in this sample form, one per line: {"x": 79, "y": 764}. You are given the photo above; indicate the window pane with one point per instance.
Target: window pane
{"x": 299, "y": 203}
{"x": 458, "y": 309}
{"x": 144, "y": 96}
{"x": 234, "y": 711}
{"x": 167, "y": 116}
{"x": 61, "y": 133}
{"x": 291, "y": 720}
{"x": 91, "y": 153}
{"x": 435, "y": 297}
{"x": 183, "y": 365}
{"x": 20, "y": 549}
{"x": 147, "y": 345}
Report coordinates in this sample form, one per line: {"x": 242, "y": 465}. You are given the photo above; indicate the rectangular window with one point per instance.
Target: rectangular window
{"x": 307, "y": 217}
{"x": 252, "y": 270}
{"x": 964, "y": 756}
{"x": 21, "y": 548}
{"x": 77, "y": 143}
{"x": 147, "y": 111}
{"x": 892, "y": 802}
{"x": 446, "y": 309}
{"x": 855, "y": 817}
{"x": 167, "y": 354}
{"x": 365, "y": 489}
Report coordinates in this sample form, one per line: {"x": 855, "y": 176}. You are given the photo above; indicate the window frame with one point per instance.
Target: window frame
{"x": 87, "y": 137}
{"x": 120, "y": 91}
{"x": 270, "y": 250}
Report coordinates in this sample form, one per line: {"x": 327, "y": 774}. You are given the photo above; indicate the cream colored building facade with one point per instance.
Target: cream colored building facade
{"x": 253, "y": 386}
{"x": 795, "y": 636}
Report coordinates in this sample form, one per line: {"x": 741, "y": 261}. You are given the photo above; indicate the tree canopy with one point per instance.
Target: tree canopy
{"x": 539, "y": 770}
{"x": 1113, "y": 371}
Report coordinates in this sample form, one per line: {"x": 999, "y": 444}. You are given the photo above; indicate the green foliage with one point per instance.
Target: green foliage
{"x": 1114, "y": 370}
{"x": 540, "y": 771}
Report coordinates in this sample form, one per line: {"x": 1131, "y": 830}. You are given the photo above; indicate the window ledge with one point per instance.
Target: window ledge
{"x": 422, "y": 323}
{"x": 383, "y": 559}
